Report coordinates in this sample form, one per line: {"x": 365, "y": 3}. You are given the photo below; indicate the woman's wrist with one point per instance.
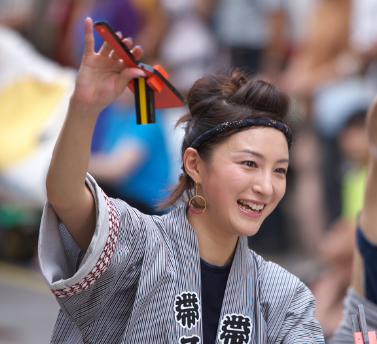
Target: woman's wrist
{"x": 83, "y": 109}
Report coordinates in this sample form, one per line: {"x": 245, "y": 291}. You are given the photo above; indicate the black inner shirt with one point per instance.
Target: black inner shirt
{"x": 214, "y": 280}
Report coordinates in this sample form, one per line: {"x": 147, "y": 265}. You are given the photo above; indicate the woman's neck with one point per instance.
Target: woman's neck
{"x": 216, "y": 247}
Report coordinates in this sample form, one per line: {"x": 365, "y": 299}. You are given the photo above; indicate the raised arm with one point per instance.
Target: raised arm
{"x": 101, "y": 78}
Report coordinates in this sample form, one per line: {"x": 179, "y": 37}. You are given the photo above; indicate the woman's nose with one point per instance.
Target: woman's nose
{"x": 263, "y": 184}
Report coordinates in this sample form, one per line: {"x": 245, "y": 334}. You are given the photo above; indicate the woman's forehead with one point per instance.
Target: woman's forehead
{"x": 261, "y": 139}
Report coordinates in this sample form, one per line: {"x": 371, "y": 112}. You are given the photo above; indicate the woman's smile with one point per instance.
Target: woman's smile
{"x": 251, "y": 209}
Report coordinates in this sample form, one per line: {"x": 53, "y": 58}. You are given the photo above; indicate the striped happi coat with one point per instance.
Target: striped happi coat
{"x": 131, "y": 284}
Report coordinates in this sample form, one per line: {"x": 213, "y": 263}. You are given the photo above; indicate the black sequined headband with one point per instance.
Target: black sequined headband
{"x": 243, "y": 123}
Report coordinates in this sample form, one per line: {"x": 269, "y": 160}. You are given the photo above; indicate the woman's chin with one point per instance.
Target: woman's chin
{"x": 247, "y": 228}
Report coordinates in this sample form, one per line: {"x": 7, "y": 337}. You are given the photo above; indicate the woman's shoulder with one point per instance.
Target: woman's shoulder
{"x": 267, "y": 269}
{"x": 168, "y": 223}
{"x": 283, "y": 298}
{"x": 273, "y": 279}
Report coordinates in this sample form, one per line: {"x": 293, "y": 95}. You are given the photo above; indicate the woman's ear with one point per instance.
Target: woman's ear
{"x": 192, "y": 163}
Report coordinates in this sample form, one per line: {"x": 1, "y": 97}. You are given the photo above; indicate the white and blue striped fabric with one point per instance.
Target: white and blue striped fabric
{"x": 128, "y": 285}
{"x": 343, "y": 335}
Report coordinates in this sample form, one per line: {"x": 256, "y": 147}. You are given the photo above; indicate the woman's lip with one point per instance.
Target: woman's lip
{"x": 250, "y": 213}
{"x": 246, "y": 200}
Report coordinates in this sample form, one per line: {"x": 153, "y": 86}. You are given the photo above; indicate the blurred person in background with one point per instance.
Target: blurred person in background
{"x": 333, "y": 74}
{"x": 144, "y": 20}
{"x": 363, "y": 289}
{"x": 34, "y": 93}
{"x": 189, "y": 47}
{"x": 132, "y": 161}
{"x": 340, "y": 46}
{"x": 326, "y": 31}
{"x": 47, "y": 27}
{"x": 336, "y": 245}
{"x": 254, "y": 33}
{"x": 317, "y": 169}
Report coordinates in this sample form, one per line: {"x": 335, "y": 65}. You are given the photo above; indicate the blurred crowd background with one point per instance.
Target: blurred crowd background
{"x": 323, "y": 53}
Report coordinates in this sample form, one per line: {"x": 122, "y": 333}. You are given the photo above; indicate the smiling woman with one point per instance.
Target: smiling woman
{"x": 121, "y": 276}
{"x": 236, "y": 152}
{"x": 242, "y": 182}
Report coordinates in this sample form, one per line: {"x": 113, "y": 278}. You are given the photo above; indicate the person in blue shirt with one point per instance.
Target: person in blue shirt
{"x": 131, "y": 161}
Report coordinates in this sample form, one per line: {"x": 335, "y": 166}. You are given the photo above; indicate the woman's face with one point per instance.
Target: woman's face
{"x": 244, "y": 180}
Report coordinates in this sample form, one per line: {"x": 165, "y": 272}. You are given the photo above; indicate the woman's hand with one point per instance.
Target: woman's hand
{"x": 102, "y": 76}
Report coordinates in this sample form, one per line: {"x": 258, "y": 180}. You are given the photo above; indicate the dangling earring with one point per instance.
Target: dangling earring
{"x": 197, "y": 203}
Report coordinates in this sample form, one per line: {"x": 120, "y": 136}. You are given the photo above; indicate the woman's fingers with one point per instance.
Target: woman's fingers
{"x": 130, "y": 73}
{"x": 105, "y": 49}
{"x": 128, "y": 42}
{"x": 137, "y": 52}
{"x": 89, "y": 38}
{"x": 113, "y": 55}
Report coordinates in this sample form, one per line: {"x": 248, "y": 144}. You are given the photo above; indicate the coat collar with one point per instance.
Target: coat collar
{"x": 241, "y": 290}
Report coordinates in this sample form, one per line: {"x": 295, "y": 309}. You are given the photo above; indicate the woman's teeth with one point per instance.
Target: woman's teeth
{"x": 250, "y": 205}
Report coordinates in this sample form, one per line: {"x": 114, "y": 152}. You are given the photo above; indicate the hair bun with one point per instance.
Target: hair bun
{"x": 238, "y": 90}
{"x": 261, "y": 96}
{"x": 214, "y": 87}
{"x": 236, "y": 80}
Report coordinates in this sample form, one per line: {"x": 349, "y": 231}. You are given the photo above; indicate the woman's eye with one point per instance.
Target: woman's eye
{"x": 249, "y": 163}
{"x": 281, "y": 171}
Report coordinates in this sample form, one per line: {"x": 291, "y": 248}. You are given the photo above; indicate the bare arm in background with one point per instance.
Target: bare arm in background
{"x": 368, "y": 218}
{"x": 277, "y": 46}
{"x": 120, "y": 163}
{"x": 102, "y": 77}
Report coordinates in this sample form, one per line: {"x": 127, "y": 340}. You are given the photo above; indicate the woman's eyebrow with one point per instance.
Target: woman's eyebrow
{"x": 261, "y": 156}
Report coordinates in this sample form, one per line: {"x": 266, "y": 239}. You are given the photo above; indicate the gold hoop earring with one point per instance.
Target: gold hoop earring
{"x": 197, "y": 203}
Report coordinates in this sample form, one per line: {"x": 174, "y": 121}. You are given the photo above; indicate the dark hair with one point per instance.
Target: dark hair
{"x": 218, "y": 98}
